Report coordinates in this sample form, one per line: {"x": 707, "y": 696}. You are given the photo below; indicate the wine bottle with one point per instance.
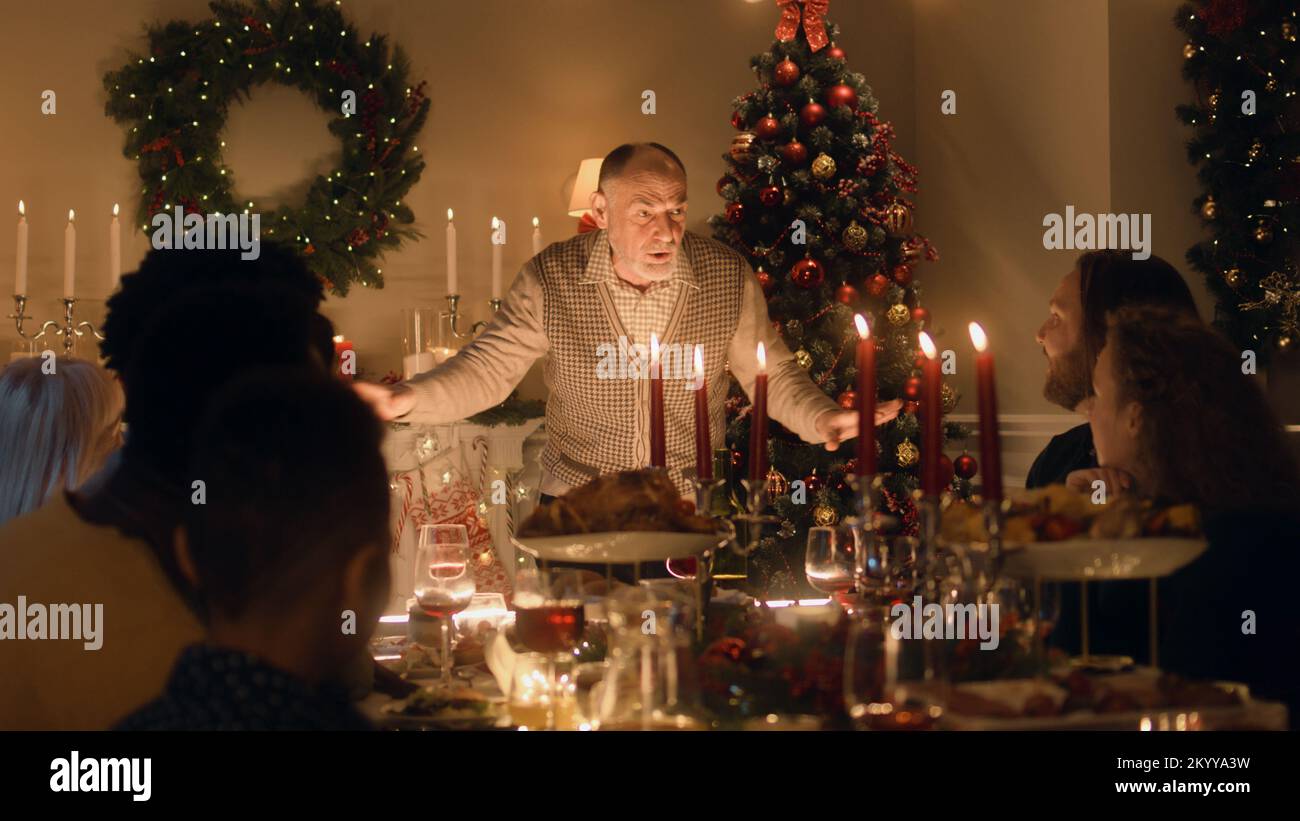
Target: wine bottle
{"x": 729, "y": 567}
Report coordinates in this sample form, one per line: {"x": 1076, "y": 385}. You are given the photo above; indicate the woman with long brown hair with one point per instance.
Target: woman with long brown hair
{"x": 1174, "y": 418}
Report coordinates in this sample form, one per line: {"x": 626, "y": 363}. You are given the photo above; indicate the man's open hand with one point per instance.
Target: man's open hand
{"x": 388, "y": 401}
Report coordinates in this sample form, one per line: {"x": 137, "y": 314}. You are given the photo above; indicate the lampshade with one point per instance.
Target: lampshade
{"x": 584, "y": 187}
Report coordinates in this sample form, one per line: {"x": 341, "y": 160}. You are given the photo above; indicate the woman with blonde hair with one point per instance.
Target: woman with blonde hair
{"x": 59, "y": 422}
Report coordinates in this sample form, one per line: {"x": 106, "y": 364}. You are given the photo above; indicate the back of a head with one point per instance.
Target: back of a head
{"x": 167, "y": 274}
{"x": 199, "y": 342}
{"x": 1207, "y": 430}
{"x": 295, "y": 487}
{"x": 1111, "y": 280}
{"x": 59, "y": 421}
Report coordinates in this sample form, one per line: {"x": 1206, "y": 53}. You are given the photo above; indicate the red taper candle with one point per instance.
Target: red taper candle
{"x": 657, "y": 456}
{"x": 990, "y": 446}
{"x": 703, "y": 447}
{"x": 758, "y": 422}
{"x": 931, "y": 417}
{"x": 866, "y": 363}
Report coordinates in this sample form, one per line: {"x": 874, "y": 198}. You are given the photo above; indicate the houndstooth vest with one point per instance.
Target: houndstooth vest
{"x": 600, "y": 425}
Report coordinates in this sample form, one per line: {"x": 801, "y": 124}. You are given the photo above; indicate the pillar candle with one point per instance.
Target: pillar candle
{"x": 866, "y": 365}
{"x": 758, "y": 421}
{"x": 451, "y": 254}
{"x": 657, "y": 456}
{"x": 497, "y": 248}
{"x": 114, "y": 252}
{"x": 990, "y": 447}
{"x": 537, "y": 236}
{"x": 69, "y": 257}
{"x": 931, "y": 417}
{"x": 341, "y": 345}
{"x": 20, "y": 265}
{"x": 703, "y": 447}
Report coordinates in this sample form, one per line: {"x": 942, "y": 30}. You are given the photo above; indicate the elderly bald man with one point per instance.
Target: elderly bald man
{"x": 601, "y": 295}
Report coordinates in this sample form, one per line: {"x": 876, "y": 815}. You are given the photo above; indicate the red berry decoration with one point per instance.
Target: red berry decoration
{"x": 812, "y": 115}
{"x": 841, "y": 94}
{"x": 912, "y": 388}
{"x": 846, "y": 294}
{"x": 921, "y": 317}
{"x": 735, "y": 212}
{"x": 902, "y": 274}
{"x": 724, "y": 181}
{"x": 768, "y": 127}
{"x": 835, "y": 52}
{"x": 771, "y": 196}
{"x": 848, "y": 400}
{"x": 807, "y": 273}
{"x": 794, "y": 153}
{"x": 965, "y": 466}
{"x": 765, "y": 281}
{"x": 945, "y": 470}
{"x": 786, "y": 73}
{"x": 737, "y": 121}
{"x": 877, "y": 284}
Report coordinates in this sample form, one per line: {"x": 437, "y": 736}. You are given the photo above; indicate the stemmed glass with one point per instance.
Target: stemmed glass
{"x": 830, "y": 560}
{"x": 549, "y": 618}
{"x": 443, "y": 584}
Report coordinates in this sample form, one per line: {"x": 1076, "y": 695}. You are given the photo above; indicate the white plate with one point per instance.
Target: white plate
{"x": 1089, "y": 559}
{"x": 618, "y": 547}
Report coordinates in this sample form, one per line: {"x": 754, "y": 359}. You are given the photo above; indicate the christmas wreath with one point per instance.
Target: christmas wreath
{"x": 175, "y": 100}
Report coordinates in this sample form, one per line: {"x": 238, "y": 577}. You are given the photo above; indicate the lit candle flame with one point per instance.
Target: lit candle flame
{"x": 977, "y": 337}
{"x": 927, "y": 345}
{"x": 863, "y": 330}
{"x": 536, "y": 222}
{"x": 22, "y": 209}
{"x": 699, "y": 361}
{"x": 338, "y": 339}
{"x": 115, "y": 209}
{"x": 762, "y": 357}
{"x": 654, "y": 349}
{"x": 71, "y": 215}
{"x": 495, "y": 223}
{"x": 448, "y": 215}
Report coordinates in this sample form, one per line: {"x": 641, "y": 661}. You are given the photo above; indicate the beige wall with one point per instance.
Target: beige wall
{"x": 1059, "y": 101}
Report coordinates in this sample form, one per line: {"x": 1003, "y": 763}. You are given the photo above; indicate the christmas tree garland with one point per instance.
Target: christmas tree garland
{"x": 176, "y": 98}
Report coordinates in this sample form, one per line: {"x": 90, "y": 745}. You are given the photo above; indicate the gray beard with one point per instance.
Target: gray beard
{"x": 1068, "y": 380}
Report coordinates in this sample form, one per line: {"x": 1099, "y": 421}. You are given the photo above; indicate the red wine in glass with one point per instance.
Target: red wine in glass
{"x": 442, "y": 604}
{"x": 552, "y": 627}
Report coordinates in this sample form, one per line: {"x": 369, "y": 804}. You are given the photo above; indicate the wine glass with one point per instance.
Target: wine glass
{"x": 443, "y": 584}
{"x": 830, "y": 561}
{"x": 550, "y": 618}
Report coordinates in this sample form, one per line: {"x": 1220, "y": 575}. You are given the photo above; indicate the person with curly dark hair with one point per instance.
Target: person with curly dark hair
{"x": 1174, "y": 418}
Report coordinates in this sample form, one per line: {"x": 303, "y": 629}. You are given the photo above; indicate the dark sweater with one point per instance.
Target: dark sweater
{"x": 1066, "y": 452}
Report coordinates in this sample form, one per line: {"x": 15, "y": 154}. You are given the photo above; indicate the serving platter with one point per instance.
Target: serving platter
{"x": 1099, "y": 559}
{"x": 622, "y": 547}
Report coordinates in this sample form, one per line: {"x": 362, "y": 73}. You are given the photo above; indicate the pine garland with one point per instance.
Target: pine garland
{"x": 175, "y": 100}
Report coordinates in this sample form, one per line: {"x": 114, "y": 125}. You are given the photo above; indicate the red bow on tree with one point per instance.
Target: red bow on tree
{"x": 814, "y": 26}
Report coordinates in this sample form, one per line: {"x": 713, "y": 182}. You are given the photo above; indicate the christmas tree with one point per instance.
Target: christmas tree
{"x": 813, "y": 162}
{"x": 1242, "y": 58}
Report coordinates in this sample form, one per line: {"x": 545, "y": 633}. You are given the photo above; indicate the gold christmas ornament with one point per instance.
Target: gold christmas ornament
{"x": 803, "y": 358}
{"x": 742, "y": 146}
{"x": 898, "y": 314}
{"x": 1214, "y": 100}
{"x": 787, "y": 198}
{"x": 777, "y": 484}
{"x": 907, "y": 453}
{"x": 825, "y": 516}
{"x": 1285, "y": 343}
{"x": 1210, "y": 209}
{"x": 948, "y": 395}
{"x": 855, "y": 237}
{"x": 1232, "y": 276}
{"x": 823, "y": 168}
{"x": 1255, "y": 151}
{"x": 1263, "y": 233}
{"x": 1288, "y": 31}
{"x": 1270, "y": 85}
{"x": 898, "y": 220}
{"x": 1189, "y": 51}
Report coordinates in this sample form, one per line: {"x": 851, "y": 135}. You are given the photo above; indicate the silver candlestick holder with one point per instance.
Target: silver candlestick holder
{"x": 756, "y": 500}
{"x": 69, "y": 328}
{"x": 453, "y": 315}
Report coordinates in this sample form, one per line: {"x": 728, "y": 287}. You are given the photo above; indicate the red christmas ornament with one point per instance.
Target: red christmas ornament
{"x": 912, "y": 388}
{"x": 794, "y": 153}
{"x": 841, "y": 94}
{"x": 902, "y": 274}
{"x": 735, "y": 212}
{"x": 921, "y": 317}
{"x": 786, "y": 73}
{"x": 877, "y": 284}
{"x": 846, "y": 294}
{"x": 771, "y": 196}
{"x": 965, "y": 466}
{"x": 807, "y": 273}
{"x": 919, "y": 361}
{"x": 813, "y": 483}
{"x": 723, "y": 182}
{"x": 737, "y": 121}
{"x": 765, "y": 281}
{"x": 945, "y": 470}
{"x": 835, "y": 52}
{"x": 910, "y": 407}
{"x": 812, "y": 115}
{"x": 848, "y": 400}
{"x": 768, "y": 127}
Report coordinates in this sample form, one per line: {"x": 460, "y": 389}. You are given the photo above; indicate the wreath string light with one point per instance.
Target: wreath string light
{"x": 175, "y": 100}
